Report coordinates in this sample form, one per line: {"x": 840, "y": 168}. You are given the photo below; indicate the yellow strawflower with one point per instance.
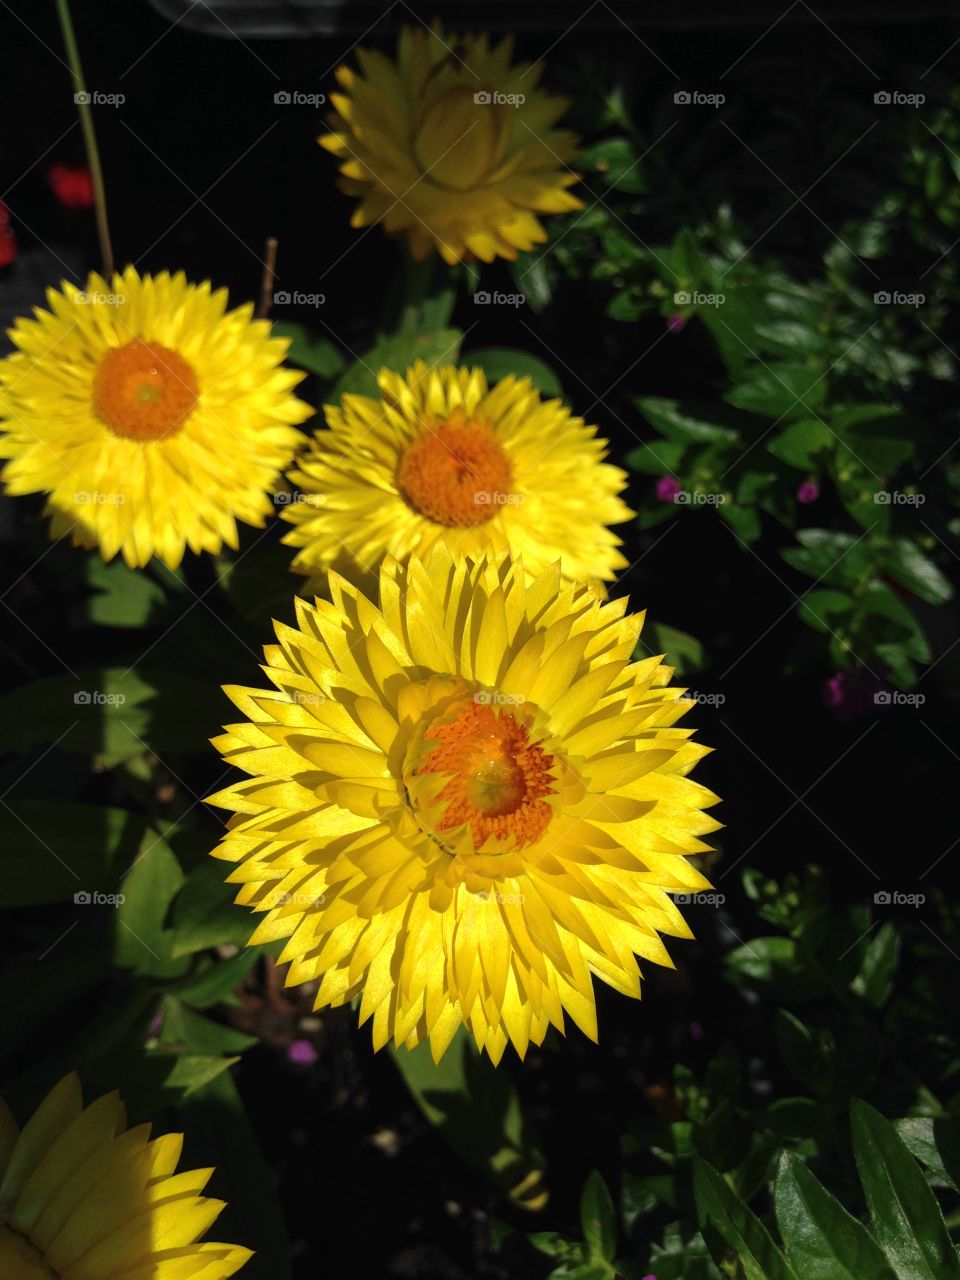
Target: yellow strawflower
{"x": 153, "y": 418}
{"x": 464, "y": 802}
{"x": 452, "y": 145}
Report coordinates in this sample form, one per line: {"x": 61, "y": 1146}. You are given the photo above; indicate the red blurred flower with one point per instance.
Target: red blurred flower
{"x": 8, "y": 239}
{"x": 72, "y": 185}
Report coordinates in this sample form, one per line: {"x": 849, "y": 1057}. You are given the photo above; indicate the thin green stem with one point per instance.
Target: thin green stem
{"x": 82, "y": 98}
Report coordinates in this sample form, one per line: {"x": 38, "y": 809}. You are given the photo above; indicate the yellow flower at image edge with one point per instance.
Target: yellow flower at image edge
{"x": 465, "y": 802}
{"x": 84, "y": 1198}
{"x": 152, "y": 417}
{"x": 443, "y": 458}
{"x": 452, "y": 146}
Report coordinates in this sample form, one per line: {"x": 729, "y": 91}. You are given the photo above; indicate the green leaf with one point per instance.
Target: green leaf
{"x": 822, "y": 609}
{"x": 499, "y": 362}
{"x": 310, "y": 350}
{"x": 55, "y": 851}
{"x": 204, "y": 914}
{"x": 683, "y": 652}
{"x": 905, "y": 1217}
{"x": 215, "y": 982}
{"x": 936, "y": 1143}
{"x": 800, "y": 443}
{"x": 615, "y": 160}
{"x": 532, "y": 278}
{"x": 874, "y": 982}
{"x": 476, "y": 1109}
{"x": 822, "y": 1240}
{"x": 743, "y": 1231}
{"x": 780, "y": 391}
{"x": 907, "y": 564}
{"x": 185, "y": 1029}
{"x": 438, "y": 346}
{"x": 673, "y": 422}
{"x": 744, "y": 521}
{"x": 124, "y": 597}
{"x": 113, "y": 713}
{"x": 656, "y": 457}
{"x": 771, "y": 963}
{"x": 598, "y": 1217}
{"x": 828, "y": 555}
{"x": 142, "y": 940}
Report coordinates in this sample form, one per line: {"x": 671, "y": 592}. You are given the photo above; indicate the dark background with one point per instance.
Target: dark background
{"x": 201, "y": 165}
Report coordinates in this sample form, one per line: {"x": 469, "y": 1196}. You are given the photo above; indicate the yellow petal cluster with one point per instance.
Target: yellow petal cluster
{"x": 452, "y": 145}
{"x": 465, "y": 801}
{"x": 82, "y": 1197}
{"x": 151, "y": 416}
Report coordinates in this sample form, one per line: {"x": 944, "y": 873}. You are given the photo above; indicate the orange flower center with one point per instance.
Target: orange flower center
{"x": 143, "y": 391}
{"x": 455, "y": 473}
{"x": 497, "y": 778}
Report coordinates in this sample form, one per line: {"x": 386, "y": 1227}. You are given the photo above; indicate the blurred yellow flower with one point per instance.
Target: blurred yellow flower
{"x": 153, "y": 418}
{"x": 443, "y": 458}
{"x": 84, "y": 1198}
{"x": 464, "y": 803}
{"x": 452, "y": 145}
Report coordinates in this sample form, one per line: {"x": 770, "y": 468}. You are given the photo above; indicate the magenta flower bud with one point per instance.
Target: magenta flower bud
{"x": 676, "y": 322}
{"x": 667, "y": 488}
{"x": 301, "y": 1053}
{"x": 808, "y": 492}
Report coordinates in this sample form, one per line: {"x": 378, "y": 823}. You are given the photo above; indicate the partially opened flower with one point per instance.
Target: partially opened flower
{"x": 153, "y": 418}
{"x": 84, "y": 1198}
{"x": 443, "y": 458}
{"x": 465, "y": 803}
{"x": 452, "y": 145}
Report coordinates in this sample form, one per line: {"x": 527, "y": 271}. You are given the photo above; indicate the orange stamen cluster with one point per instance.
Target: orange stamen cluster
{"x": 498, "y": 778}
{"x": 455, "y": 473}
{"x": 143, "y": 391}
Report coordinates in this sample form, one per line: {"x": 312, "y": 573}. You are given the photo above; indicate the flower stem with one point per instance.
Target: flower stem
{"x": 89, "y": 136}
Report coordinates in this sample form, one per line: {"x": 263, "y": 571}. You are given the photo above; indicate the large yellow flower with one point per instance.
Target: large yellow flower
{"x": 452, "y": 146}
{"x": 152, "y": 417}
{"x": 464, "y": 803}
{"x": 442, "y": 458}
{"x": 84, "y": 1198}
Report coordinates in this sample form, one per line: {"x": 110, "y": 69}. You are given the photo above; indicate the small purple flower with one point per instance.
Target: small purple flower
{"x": 676, "y": 322}
{"x": 667, "y": 488}
{"x": 850, "y": 696}
{"x": 696, "y": 1031}
{"x": 301, "y": 1053}
{"x": 808, "y": 492}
